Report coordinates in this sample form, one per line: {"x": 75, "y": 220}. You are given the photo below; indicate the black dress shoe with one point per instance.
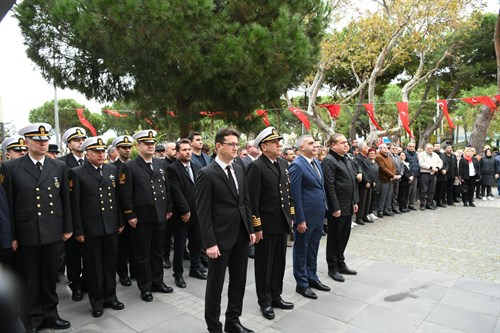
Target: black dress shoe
{"x": 96, "y": 313}
{"x": 125, "y": 281}
{"x": 115, "y": 305}
{"x": 306, "y": 292}
{"x": 422, "y": 207}
{"x": 179, "y": 282}
{"x": 162, "y": 288}
{"x": 32, "y": 330}
{"x": 197, "y": 274}
{"x": 267, "y": 312}
{"x": 466, "y": 204}
{"x": 388, "y": 214}
{"x": 440, "y": 205}
{"x": 366, "y": 220}
{"x": 77, "y": 295}
{"x": 430, "y": 207}
{"x": 236, "y": 328}
{"x": 472, "y": 205}
{"x": 281, "y": 304}
{"x": 360, "y": 222}
{"x": 146, "y": 296}
{"x": 318, "y": 285}
{"x": 59, "y": 324}
{"x": 336, "y": 276}
{"x": 202, "y": 269}
{"x": 411, "y": 208}
{"x": 380, "y": 215}
{"x": 166, "y": 263}
{"x": 61, "y": 278}
{"x": 347, "y": 271}
{"x": 396, "y": 212}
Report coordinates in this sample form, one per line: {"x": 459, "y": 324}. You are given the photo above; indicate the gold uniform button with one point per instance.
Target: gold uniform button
{"x": 38, "y": 205}
{"x": 155, "y": 199}
{"x": 39, "y": 214}
{"x": 48, "y": 188}
{"x": 52, "y": 212}
{"x": 102, "y": 201}
{"x": 109, "y": 194}
{"x": 160, "y": 185}
{"x": 37, "y": 189}
{"x": 50, "y": 203}
{"x": 163, "y": 198}
{"x": 50, "y": 195}
{"x": 109, "y": 188}
{"x": 102, "y": 208}
{"x": 110, "y": 200}
{"x": 100, "y": 195}
{"x": 151, "y": 182}
{"x": 110, "y": 207}
{"x": 37, "y": 197}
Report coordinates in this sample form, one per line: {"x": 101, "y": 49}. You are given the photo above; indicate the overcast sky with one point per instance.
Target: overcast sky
{"x": 22, "y": 87}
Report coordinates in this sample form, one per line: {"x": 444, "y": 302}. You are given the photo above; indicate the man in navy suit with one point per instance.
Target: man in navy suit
{"x": 199, "y": 157}
{"x": 308, "y": 194}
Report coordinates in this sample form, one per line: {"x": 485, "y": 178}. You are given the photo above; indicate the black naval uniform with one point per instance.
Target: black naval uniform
{"x": 73, "y": 254}
{"x": 40, "y": 214}
{"x": 144, "y": 194}
{"x": 272, "y": 210}
{"x": 124, "y": 243}
{"x": 97, "y": 217}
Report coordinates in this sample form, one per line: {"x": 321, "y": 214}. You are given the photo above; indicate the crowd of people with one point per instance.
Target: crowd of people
{"x": 96, "y": 215}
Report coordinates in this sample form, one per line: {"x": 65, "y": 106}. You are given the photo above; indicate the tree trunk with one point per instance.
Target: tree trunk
{"x": 478, "y": 136}
{"x": 312, "y": 112}
{"x": 354, "y": 120}
{"x": 497, "y": 49}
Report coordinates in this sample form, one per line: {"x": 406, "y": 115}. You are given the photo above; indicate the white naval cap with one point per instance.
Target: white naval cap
{"x": 123, "y": 141}
{"x": 73, "y": 133}
{"x": 94, "y": 143}
{"x": 16, "y": 142}
{"x": 268, "y": 134}
{"x": 37, "y": 131}
{"x": 147, "y": 135}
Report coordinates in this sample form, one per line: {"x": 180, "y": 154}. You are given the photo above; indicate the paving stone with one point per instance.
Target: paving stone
{"x": 109, "y": 324}
{"x": 425, "y": 290}
{"x": 460, "y": 319}
{"x": 390, "y": 268}
{"x": 339, "y": 307}
{"x": 472, "y": 301}
{"x": 182, "y": 323}
{"x": 375, "y": 318}
{"x": 406, "y": 303}
{"x": 428, "y": 327}
{"x": 374, "y": 278}
{"x": 148, "y": 315}
{"x": 307, "y": 321}
{"x": 359, "y": 291}
{"x": 481, "y": 287}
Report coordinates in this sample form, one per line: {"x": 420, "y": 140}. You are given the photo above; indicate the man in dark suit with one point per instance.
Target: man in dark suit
{"x": 96, "y": 223}
{"x": 6, "y": 253}
{"x": 308, "y": 194}
{"x": 184, "y": 221}
{"x": 40, "y": 212}
{"x": 272, "y": 208}
{"x": 170, "y": 156}
{"x": 144, "y": 196}
{"x": 252, "y": 153}
{"x": 341, "y": 189}
{"x": 123, "y": 145}
{"x": 199, "y": 157}
{"x": 223, "y": 205}
{"x": 73, "y": 255}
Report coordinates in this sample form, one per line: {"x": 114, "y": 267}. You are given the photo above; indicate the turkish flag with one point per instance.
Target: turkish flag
{"x": 405, "y": 118}
{"x": 115, "y": 113}
{"x": 85, "y": 122}
{"x": 369, "y": 110}
{"x": 485, "y": 100}
{"x": 209, "y": 113}
{"x": 171, "y": 114}
{"x": 443, "y": 104}
{"x": 333, "y": 109}
{"x": 263, "y": 114}
{"x": 302, "y": 117}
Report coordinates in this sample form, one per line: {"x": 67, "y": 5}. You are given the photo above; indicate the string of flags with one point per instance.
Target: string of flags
{"x": 333, "y": 110}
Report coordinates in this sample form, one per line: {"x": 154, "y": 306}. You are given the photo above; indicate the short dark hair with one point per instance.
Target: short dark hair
{"x": 223, "y": 132}
{"x": 192, "y": 135}
{"x": 334, "y": 138}
{"x": 286, "y": 150}
{"x": 179, "y": 142}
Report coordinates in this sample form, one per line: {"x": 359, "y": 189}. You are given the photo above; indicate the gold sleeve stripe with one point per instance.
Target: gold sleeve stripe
{"x": 127, "y": 212}
{"x": 256, "y": 221}
{"x": 292, "y": 210}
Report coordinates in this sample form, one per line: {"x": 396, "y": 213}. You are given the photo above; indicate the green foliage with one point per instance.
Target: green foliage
{"x": 180, "y": 55}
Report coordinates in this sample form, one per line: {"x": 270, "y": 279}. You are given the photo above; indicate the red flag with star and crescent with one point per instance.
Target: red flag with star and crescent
{"x": 302, "y": 117}
{"x": 263, "y": 115}
{"x": 443, "y": 104}
{"x": 369, "y": 110}
{"x": 405, "y": 118}
{"x": 485, "y": 100}
{"x": 85, "y": 122}
{"x": 333, "y": 109}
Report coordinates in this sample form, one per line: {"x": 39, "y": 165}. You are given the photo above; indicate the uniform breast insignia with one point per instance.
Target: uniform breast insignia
{"x": 122, "y": 178}
{"x": 70, "y": 185}
{"x": 162, "y": 174}
{"x": 56, "y": 182}
{"x": 112, "y": 180}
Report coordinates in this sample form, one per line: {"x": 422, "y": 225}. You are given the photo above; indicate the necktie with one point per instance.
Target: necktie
{"x": 277, "y": 166}
{"x": 39, "y": 166}
{"x": 99, "y": 170}
{"x": 190, "y": 172}
{"x": 231, "y": 179}
{"x": 151, "y": 165}
{"x": 316, "y": 169}
{"x": 80, "y": 161}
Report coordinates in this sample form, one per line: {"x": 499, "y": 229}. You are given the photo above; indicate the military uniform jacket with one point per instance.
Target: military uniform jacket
{"x": 183, "y": 192}
{"x": 94, "y": 202}
{"x": 40, "y": 209}
{"x": 270, "y": 197}
{"x": 144, "y": 193}
{"x": 5, "y": 228}
{"x": 70, "y": 160}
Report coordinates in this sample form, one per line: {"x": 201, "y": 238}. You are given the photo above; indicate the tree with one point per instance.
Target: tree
{"x": 67, "y": 115}
{"x": 184, "y": 56}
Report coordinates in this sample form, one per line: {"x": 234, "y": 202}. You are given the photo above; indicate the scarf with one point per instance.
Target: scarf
{"x": 468, "y": 158}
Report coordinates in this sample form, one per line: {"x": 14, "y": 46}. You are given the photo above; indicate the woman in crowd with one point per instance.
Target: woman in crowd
{"x": 469, "y": 173}
{"x": 405, "y": 183}
{"x": 487, "y": 166}
{"x": 372, "y": 153}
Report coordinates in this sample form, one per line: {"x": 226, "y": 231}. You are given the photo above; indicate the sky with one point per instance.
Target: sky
{"x": 22, "y": 87}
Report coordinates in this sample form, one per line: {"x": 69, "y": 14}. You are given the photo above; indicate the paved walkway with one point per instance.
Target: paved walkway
{"x": 429, "y": 271}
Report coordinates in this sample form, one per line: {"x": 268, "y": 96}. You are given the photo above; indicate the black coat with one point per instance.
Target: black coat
{"x": 5, "y": 227}
{"x": 463, "y": 168}
{"x": 487, "y": 166}
{"x": 40, "y": 209}
{"x": 270, "y": 198}
{"x": 341, "y": 186}
{"x": 183, "y": 192}
{"x": 446, "y": 166}
{"x": 94, "y": 200}
{"x": 451, "y": 163}
{"x": 365, "y": 164}
{"x": 144, "y": 193}
{"x": 70, "y": 160}
{"x": 220, "y": 209}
